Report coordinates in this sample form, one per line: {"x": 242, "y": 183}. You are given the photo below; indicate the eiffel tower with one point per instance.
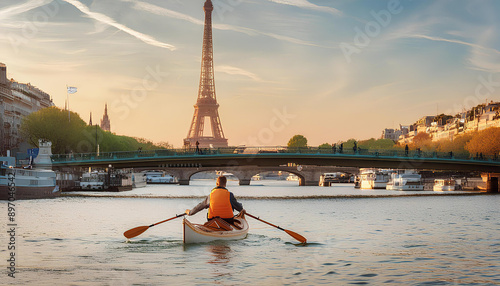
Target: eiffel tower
{"x": 206, "y": 106}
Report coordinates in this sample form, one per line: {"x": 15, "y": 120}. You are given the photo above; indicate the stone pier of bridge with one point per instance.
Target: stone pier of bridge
{"x": 491, "y": 182}
{"x": 308, "y": 175}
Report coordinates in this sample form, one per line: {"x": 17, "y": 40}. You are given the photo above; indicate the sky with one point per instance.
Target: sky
{"x": 330, "y": 70}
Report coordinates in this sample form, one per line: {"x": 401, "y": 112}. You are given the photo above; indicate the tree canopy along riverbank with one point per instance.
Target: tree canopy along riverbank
{"x": 69, "y": 133}
{"x": 485, "y": 142}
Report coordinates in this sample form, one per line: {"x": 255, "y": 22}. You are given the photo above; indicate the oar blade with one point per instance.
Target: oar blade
{"x": 291, "y": 233}
{"x": 135, "y": 231}
{"x": 296, "y": 236}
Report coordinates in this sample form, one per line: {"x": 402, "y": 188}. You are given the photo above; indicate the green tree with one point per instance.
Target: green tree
{"x": 54, "y": 125}
{"x": 75, "y": 135}
{"x": 297, "y": 141}
{"x": 349, "y": 144}
{"x": 325, "y": 146}
{"x": 165, "y": 145}
{"x": 376, "y": 144}
{"x": 109, "y": 142}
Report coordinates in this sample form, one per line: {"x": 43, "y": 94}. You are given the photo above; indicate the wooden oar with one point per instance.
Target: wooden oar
{"x": 140, "y": 229}
{"x": 291, "y": 233}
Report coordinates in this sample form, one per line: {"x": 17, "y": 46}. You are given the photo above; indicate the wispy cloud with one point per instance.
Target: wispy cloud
{"x": 486, "y": 61}
{"x": 21, "y": 8}
{"x": 253, "y": 32}
{"x": 157, "y": 10}
{"x": 472, "y": 45}
{"x": 308, "y": 5}
{"x": 109, "y": 21}
{"x": 481, "y": 58}
{"x": 164, "y": 12}
{"x": 237, "y": 71}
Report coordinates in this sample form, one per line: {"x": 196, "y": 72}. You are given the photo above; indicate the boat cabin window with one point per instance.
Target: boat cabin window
{"x": 413, "y": 176}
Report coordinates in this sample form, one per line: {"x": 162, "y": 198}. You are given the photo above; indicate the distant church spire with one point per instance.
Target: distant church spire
{"x": 105, "y": 124}
{"x": 90, "y": 121}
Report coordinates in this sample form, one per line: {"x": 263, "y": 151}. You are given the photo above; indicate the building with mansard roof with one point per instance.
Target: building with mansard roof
{"x": 17, "y": 100}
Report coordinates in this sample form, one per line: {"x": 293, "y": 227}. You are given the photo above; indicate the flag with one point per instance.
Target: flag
{"x": 71, "y": 90}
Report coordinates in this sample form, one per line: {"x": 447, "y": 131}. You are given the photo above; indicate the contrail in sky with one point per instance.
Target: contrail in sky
{"x": 164, "y": 12}
{"x": 306, "y": 4}
{"x": 237, "y": 71}
{"x": 21, "y": 8}
{"x": 109, "y": 21}
{"x": 154, "y": 9}
{"x": 454, "y": 41}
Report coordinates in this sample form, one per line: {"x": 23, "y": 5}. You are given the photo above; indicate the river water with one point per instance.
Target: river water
{"x": 354, "y": 237}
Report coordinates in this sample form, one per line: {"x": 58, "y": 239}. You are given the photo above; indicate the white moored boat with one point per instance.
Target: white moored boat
{"x": 138, "y": 180}
{"x": 27, "y": 184}
{"x": 441, "y": 185}
{"x": 407, "y": 181}
{"x": 215, "y": 229}
{"x": 159, "y": 177}
{"x": 374, "y": 179}
{"x": 95, "y": 180}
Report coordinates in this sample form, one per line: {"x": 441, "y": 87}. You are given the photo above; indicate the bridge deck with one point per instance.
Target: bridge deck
{"x": 275, "y": 156}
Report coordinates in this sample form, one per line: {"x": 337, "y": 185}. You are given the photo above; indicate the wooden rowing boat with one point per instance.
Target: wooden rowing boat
{"x": 215, "y": 229}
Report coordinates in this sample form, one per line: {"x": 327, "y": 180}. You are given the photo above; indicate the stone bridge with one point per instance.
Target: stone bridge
{"x": 183, "y": 163}
{"x": 308, "y": 175}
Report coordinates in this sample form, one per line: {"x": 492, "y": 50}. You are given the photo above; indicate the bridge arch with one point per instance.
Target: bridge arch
{"x": 245, "y": 177}
{"x": 308, "y": 175}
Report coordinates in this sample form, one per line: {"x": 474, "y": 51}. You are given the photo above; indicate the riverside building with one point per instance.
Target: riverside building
{"x": 446, "y": 127}
{"x": 16, "y": 101}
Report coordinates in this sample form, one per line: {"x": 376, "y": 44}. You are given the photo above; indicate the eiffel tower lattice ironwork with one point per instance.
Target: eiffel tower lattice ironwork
{"x": 206, "y": 106}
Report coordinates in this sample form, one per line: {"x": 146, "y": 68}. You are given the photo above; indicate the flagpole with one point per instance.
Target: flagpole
{"x": 69, "y": 89}
{"x": 67, "y": 100}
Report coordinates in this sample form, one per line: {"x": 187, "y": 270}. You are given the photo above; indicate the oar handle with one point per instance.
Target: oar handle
{"x": 179, "y": 215}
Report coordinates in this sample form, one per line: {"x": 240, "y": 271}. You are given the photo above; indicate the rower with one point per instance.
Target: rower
{"x": 220, "y": 203}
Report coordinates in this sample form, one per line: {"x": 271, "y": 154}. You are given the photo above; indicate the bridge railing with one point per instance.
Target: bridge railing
{"x": 398, "y": 153}
{"x": 401, "y": 153}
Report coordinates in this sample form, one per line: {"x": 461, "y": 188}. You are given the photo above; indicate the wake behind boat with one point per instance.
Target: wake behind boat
{"x": 215, "y": 229}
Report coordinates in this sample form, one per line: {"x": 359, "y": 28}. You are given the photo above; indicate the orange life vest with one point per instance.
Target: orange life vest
{"x": 220, "y": 204}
